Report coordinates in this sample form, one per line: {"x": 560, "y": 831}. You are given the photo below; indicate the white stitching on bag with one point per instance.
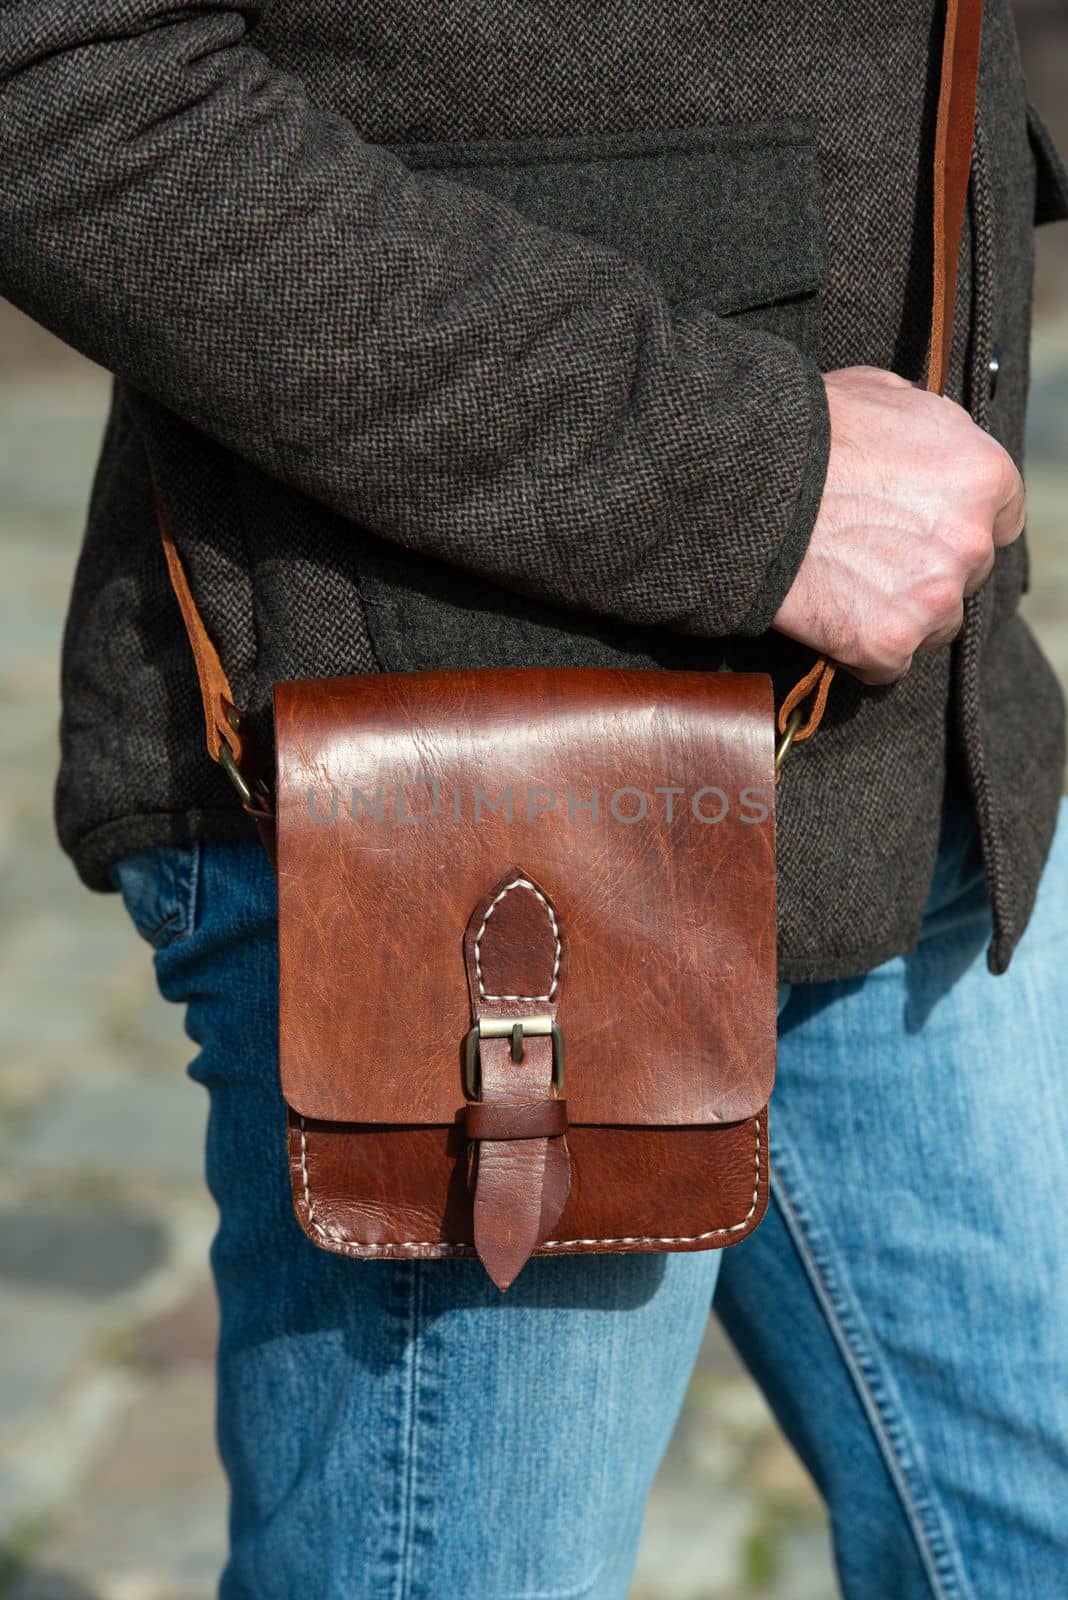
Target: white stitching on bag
{"x": 550, "y": 1244}
{"x": 442, "y": 1249}
{"x": 338, "y": 1237}
{"x": 518, "y": 883}
{"x": 692, "y": 1238}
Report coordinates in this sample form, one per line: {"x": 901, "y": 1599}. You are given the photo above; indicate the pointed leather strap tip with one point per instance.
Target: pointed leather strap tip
{"x": 522, "y": 1187}
{"x": 522, "y": 1167}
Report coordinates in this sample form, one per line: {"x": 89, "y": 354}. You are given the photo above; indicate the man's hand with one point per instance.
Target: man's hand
{"x": 916, "y": 502}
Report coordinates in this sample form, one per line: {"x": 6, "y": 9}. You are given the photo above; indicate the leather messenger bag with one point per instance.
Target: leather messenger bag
{"x": 527, "y": 922}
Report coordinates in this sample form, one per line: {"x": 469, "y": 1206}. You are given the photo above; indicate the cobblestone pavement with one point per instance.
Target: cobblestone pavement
{"x": 109, "y": 1487}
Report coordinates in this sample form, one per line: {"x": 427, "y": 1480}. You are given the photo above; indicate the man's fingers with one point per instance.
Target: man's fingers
{"x": 945, "y": 633}
{"x": 1009, "y": 521}
{"x": 878, "y": 676}
{"x": 979, "y": 576}
{"x": 908, "y": 527}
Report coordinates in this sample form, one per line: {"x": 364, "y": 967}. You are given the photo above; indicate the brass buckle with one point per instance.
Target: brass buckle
{"x": 255, "y": 792}
{"x": 515, "y": 1028}
{"x": 255, "y": 795}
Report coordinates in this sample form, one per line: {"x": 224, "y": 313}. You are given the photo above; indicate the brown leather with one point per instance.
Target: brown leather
{"x": 516, "y": 959}
{"x": 667, "y": 1011}
{"x": 521, "y": 1186}
{"x": 227, "y": 740}
{"x": 954, "y": 136}
{"x": 403, "y": 1193}
{"x": 814, "y": 686}
{"x": 515, "y": 1119}
{"x": 644, "y": 927}
{"x": 215, "y": 692}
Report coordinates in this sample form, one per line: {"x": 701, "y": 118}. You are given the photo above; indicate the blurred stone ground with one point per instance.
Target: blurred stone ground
{"x": 109, "y": 1486}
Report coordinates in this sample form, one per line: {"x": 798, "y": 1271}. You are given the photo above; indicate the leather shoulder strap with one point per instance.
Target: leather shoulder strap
{"x": 954, "y": 138}
{"x": 215, "y": 694}
{"x": 954, "y": 135}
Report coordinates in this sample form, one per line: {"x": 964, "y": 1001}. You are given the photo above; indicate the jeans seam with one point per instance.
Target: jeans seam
{"x": 410, "y": 1428}
{"x": 407, "y": 1587}
{"x": 938, "y": 1554}
{"x": 192, "y": 892}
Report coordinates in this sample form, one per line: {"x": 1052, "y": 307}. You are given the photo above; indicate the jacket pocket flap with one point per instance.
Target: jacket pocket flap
{"x": 728, "y": 216}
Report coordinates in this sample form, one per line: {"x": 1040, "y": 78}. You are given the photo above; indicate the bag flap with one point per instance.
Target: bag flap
{"x": 642, "y": 802}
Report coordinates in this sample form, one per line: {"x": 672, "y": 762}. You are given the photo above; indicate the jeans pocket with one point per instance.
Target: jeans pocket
{"x": 159, "y": 890}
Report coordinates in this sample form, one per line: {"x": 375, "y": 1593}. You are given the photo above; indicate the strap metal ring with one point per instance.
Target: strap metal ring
{"x": 254, "y": 794}
{"x": 793, "y": 724}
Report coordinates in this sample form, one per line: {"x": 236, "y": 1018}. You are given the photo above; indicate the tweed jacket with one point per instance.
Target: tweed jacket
{"x": 459, "y": 334}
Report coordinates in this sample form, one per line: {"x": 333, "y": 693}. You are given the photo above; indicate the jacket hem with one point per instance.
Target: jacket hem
{"x": 839, "y": 966}
{"x": 95, "y": 852}
{"x": 780, "y": 574}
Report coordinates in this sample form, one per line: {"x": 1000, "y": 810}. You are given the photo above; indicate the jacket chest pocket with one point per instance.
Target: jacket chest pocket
{"x": 728, "y": 217}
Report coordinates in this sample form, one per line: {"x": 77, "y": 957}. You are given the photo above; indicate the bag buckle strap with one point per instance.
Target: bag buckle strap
{"x": 516, "y": 1029}
{"x": 515, "y": 952}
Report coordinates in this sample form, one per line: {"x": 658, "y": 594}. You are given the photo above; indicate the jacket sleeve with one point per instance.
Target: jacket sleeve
{"x": 519, "y": 402}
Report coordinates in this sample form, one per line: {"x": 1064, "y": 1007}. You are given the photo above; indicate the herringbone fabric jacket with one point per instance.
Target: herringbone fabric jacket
{"x": 456, "y": 334}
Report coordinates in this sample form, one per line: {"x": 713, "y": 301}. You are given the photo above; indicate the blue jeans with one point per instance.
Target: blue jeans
{"x": 401, "y": 1430}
